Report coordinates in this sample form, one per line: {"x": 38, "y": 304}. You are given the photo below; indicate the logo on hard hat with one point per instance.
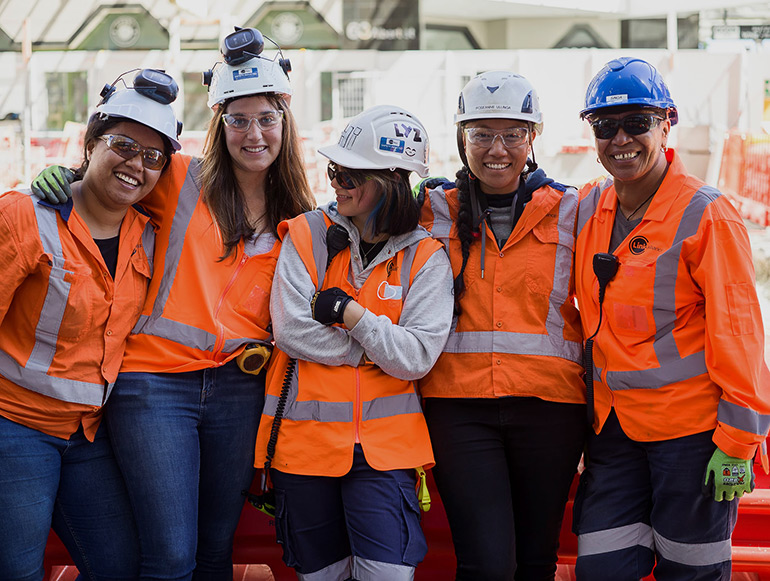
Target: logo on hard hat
{"x": 391, "y": 144}
{"x": 638, "y": 244}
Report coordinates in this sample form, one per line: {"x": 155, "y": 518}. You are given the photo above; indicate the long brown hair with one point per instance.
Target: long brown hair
{"x": 287, "y": 193}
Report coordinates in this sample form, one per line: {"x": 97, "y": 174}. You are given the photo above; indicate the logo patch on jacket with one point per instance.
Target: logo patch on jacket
{"x": 638, "y": 244}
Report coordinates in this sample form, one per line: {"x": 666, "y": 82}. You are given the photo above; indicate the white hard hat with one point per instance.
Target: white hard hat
{"x": 147, "y": 102}
{"x": 382, "y": 137}
{"x": 499, "y": 95}
{"x": 255, "y": 76}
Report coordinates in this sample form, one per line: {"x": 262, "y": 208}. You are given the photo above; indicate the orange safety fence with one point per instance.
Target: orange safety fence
{"x": 744, "y": 175}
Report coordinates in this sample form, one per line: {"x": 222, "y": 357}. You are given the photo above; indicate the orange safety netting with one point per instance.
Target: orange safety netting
{"x": 744, "y": 175}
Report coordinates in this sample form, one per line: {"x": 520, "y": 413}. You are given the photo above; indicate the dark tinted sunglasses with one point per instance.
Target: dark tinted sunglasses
{"x": 347, "y": 180}
{"x": 127, "y": 148}
{"x": 636, "y": 124}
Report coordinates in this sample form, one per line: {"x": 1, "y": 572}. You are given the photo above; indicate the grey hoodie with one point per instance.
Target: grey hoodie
{"x": 407, "y": 350}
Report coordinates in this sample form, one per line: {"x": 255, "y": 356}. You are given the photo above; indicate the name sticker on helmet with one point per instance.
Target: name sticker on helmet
{"x": 250, "y": 73}
{"x": 617, "y": 98}
{"x": 392, "y": 144}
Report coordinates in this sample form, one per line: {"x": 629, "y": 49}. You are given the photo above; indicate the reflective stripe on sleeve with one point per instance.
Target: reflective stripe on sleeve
{"x": 743, "y": 418}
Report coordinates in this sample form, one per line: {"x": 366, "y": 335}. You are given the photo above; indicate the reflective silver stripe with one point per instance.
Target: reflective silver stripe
{"x": 318, "y": 228}
{"x": 318, "y": 411}
{"x": 513, "y": 344}
{"x": 743, "y": 418}
{"x": 155, "y": 324}
{"x": 615, "y": 539}
{"x": 368, "y": 570}
{"x": 57, "y": 294}
{"x": 589, "y": 204}
{"x": 336, "y": 571}
{"x": 393, "y": 405}
{"x": 406, "y": 268}
{"x": 69, "y": 390}
{"x": 442, "y": 220}
{"x": 692, "y": 554}
{"x": 672, "y": 367}
{"x": 148, "y": 243}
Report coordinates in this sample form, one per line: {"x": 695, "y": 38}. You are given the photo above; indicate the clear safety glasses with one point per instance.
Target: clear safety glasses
{"x": 266, "y": 121}
{"x": 127, "y": 148}
{"x": 636, "y": 124}
{"x": 484, "y": 137}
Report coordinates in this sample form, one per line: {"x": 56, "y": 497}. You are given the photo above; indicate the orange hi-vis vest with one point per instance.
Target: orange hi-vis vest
{"x": 200, "y": 311}
{"x": 63, "y": 318}
{"x": 330, "y": 408}
{"x": 680, "y": 349}
{"x": 518, "y": 333}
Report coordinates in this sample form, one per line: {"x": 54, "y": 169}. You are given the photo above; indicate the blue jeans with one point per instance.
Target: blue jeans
{"x": 73, "y": 486}
{"x": 641, "y": 505}
{"x": 185, "y": 444}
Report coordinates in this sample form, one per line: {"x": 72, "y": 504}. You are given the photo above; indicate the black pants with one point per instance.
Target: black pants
{"x": 503, "y": 470}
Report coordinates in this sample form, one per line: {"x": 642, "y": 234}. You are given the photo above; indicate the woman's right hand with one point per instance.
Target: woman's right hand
{"x": 53, "y": 184}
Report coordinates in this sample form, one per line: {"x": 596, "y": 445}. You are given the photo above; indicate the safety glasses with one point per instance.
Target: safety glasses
{"x": 483, "y": 137}
{"x": 636, "y": 124}
{"x": 241, "y": 123}
{"x": 346, "y": 179}
{"x": 127, "y": 148}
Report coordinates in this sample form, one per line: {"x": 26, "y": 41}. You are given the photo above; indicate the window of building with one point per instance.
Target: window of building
{"x": 345, "y": 94}
{"x": 196, "y": 112}
{"x": 67, "y": 99}
{"x": 442, "y": 37}
{"x": 653, "y": 32}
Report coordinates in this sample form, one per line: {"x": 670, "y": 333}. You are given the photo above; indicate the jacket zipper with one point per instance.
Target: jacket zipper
{"x": 220, "y": 330}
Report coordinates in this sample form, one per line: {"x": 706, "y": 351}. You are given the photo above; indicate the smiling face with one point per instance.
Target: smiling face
{"x": 634, "y": 159}
{"x": 116, "y": 183}
{"x": 253, "y": 151}
{"x": 357, "y": 203}
{"x": 497, "y": 167}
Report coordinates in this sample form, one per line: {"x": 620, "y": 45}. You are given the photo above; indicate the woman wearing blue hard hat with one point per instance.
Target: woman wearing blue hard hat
{"x": 75, "y": 276}
{"x": 188, "y": 399}
{"x": 677, "y": 385}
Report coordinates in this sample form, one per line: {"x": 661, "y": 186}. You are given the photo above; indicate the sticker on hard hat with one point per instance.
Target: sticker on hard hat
{"x": 391, "y": 144}
{"x": 250, "y": 73}
{"x": 617, "y": 98}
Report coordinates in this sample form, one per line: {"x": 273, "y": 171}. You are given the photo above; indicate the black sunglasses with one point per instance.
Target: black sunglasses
{"x": 636, "y": 124}
{"x": 346, "y": 179}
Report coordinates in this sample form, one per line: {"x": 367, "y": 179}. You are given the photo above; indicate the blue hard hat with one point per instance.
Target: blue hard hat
{"x": 628, "y": 81}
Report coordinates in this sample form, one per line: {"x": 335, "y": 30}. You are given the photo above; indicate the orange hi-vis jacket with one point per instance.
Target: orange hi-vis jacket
{"x": 331, "y": 408}
{"x": 518, "y": 333}
{"x": 63, "y": 318}
{"x": 680, "y": 349}
{"x": 199, "y": 311}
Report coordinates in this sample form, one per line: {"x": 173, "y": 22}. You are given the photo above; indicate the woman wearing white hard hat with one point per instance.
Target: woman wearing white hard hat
{"x": 362, "y": 305}
{"x": 75, "y": 276}
{"x": 505, "y": 402}
{"x": 185, "y": 415}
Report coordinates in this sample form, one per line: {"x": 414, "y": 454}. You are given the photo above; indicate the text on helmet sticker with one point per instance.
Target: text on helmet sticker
{"x": 250, "y": 73}
{"x": 392, "y": 144}
{"x": 617, "y": 98}
{"x": 406, "y": 130}
{"x": 348, "y": 137}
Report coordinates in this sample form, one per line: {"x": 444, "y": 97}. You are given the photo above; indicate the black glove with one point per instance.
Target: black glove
{"x": 328, "y": 305}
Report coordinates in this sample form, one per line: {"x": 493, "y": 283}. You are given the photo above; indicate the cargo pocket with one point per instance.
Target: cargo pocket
{"x": 283, "y": 530}
{"x": 413, "y": 543}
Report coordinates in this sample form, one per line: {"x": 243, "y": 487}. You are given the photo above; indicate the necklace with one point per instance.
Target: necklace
{"x": 374, "y": 250}
{"x": 639, "y": 207}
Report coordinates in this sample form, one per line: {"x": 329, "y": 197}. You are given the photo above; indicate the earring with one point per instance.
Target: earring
{"x": 597, "y": 159}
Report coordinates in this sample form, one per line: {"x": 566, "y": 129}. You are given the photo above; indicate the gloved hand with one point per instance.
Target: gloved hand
{"x": 328, "y": 305}
{"x": 728, "y": 477}
{"x": 53, "y": 184}
{"x": 418, "y": 191}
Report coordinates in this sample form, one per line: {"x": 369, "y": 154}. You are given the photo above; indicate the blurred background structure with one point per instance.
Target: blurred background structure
{"x": 55, "y": 55}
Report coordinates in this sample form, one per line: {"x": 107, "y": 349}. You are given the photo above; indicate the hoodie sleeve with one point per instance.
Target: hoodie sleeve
{"x": 409, "y": 349}
{"x": 295, "y": 331}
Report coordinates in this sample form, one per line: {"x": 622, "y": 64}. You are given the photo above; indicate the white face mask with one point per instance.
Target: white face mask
{"x": 387, "y": 292}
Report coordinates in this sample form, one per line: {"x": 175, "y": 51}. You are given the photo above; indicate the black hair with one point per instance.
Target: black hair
{"x": 397, "y": 211}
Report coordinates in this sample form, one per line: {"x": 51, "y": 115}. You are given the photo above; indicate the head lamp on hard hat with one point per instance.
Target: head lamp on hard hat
{"x": 244, "y": 71}
{"x": 147, "y": 101}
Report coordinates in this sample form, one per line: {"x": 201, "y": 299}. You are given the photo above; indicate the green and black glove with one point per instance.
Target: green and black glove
{"x": 53, "y": 184}
{"x": 728, "y": 477}
{"x": 328, "y": 305}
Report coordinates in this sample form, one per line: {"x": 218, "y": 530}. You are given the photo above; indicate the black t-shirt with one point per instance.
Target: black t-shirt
{"x": 109, "y": 249}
